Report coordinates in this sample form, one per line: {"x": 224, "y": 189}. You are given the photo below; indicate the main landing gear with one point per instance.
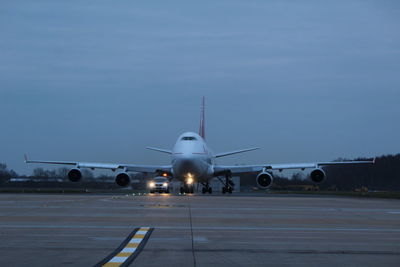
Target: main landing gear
{"x": 227, "y": 190}
{"x": 228, "y": 184}
{"x": 206, "y": 188}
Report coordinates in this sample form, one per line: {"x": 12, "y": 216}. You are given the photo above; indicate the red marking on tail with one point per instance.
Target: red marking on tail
{"x": 202, "y": 131}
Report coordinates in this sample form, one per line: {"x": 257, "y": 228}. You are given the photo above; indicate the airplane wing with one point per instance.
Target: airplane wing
{"x": 148, "y": 168}
{"x": 160, "y": 150}
{"x": 223, "y": 154}
{"x": 109, "y": 166}
{"x": 238, "y": 169}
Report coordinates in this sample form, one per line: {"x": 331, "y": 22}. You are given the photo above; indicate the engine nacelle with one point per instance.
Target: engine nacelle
{"x": 74, "y": 175}
{"x": 122, "y": 179}
{"x": 264, "y": 180}
{"x": 317, "y": 176}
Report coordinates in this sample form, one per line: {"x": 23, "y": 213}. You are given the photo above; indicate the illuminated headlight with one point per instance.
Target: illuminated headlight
{"x": 152, "y": 184}
{"x": 165, "y": 184}
{"x": 190, "y": 180}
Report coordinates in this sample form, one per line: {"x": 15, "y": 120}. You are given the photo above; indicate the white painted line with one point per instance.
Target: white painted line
{"x": 141, "y": 232}
{"x": 300, "y": 209}
{"x": 136, "y": 240}
{"x": 118, "y": 259}
{"x": 394, "y": 212}
{"x": 219, "y": 228}
{"x": 128, "y": 250}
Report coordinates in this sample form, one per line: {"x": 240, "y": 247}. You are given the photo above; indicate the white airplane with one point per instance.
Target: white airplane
{"x": 193, "y": 162}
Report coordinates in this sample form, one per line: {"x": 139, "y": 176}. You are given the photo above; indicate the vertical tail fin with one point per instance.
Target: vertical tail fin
{"x": 202, "y": 131}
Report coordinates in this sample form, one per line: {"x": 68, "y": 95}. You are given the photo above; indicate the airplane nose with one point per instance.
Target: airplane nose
{"x": 185, "y": 166}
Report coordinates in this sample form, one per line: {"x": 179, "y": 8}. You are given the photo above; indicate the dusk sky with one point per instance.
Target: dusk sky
{"x": 98, "y": 81}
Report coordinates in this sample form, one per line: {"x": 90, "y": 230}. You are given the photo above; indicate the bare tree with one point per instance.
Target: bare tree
{"x": 62, "y": 172}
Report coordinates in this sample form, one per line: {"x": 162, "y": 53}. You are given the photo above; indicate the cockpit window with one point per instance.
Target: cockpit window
{"x": 188, "y": 138}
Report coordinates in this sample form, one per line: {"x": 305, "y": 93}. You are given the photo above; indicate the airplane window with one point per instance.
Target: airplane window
{"x": 188, "y": 138}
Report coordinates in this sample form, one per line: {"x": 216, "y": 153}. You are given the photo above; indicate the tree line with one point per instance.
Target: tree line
{"x": 383, "y": 175}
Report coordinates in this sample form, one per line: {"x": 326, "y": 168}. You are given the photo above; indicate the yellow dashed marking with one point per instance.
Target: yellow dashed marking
{"x": 122, "y": 254}
{"x": 112, "y": 264}
{"x": 129, "y": 249}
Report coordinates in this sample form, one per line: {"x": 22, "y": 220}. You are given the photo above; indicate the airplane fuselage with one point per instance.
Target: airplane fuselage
{"x": 191, "y": 158}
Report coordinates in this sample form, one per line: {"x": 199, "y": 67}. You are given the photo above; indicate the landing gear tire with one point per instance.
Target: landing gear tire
{"x": 187, "y": 189}
{"x": 227, "y": 190}
{"x": 206, "y": 189}
{"x": 228, "y": 184}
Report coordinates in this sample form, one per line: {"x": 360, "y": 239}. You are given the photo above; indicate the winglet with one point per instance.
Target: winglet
{"x": 373, "y": 161}
{"x": 26, "y": 158}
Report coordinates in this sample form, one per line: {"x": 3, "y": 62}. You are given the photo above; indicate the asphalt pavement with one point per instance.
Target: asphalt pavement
{"x": 197, "y": 230}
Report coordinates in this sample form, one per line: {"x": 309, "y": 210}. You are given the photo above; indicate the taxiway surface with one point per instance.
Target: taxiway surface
{"x": 265, "y": 230}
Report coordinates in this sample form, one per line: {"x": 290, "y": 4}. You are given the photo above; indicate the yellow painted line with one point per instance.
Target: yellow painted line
{"x": 112, "y": 264}
{"x": 132, "y": 245}
{"x": 123, "y": 254}
{"x": 129, "y": 249}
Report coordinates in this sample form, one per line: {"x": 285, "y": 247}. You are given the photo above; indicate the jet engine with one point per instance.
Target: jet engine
{"x": 74, "y": 175}
{"x": 122, "y": 179}
{"x": 317, "y": 175}
{"x": 264, "y": 180}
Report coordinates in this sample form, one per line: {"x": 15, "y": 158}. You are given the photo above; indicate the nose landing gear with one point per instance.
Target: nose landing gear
{"x": 187, "y": 189}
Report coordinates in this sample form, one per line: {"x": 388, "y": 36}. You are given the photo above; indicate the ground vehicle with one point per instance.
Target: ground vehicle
{"x": 159, "y": 184}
